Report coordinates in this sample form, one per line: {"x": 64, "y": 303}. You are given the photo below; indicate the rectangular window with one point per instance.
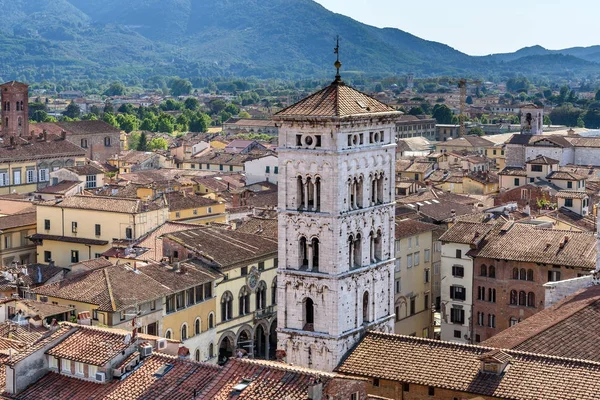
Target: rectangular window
{"x": 52, "y": 362}
{"x": 409, "y": 261}
{"x": 517, "y": 182}
{"x": 275, "y": 170}
{"x": 74, "y": 227}
{"x": 397, "y": 246}
{"x": 431, "y": 391}
{"x": 457, "y": 334}
{"x": 180, "y": 300}
{"x": 30, "y": 176}
{"x": 95, "y": 315}
{"x": 355, "y": 396}
{"x": 457, "y": 315}
{"x": 47, "y": 256}
{"x": 409, "y": 242}
{"x": 426, "y": 255}
{"x": 221, "y": 167}
{"x": 553, "y": 276}
{"x": 177, "y": 214}
{"x": 416, "y": 257}
{"x": 90, "y": 181}
{"x": 458, "y": 293}
{"x": 208, "y": 290}
{"x": 79, "y": 368}
{"x": 261, "y": 265}
{"x": 426, "y": 304}
{"x": 74, "y": 256}
{"x": 397, "y": 265}
{"x": 268, "y": 169}
{"x": 406, "y": 387}
{"x": 458, "y": 253}
{"x": 122, "y": 315}
{"x": 65, "y": 366}
{"x": 4, "y": 179}
{"x": 43, "y": 175}
{"x": 398, "y": 287}
{"x": 16, "y": 176}
{"x": 98, "y": 229}
{"x": 244, "y": 271}
{"x": 189, "y": 297}
{"x": 416, "y": 241}
{"x": 569, "y": 185}
{"x": 458, "y": 271}
{"x": 128, "y": 233}
{"x": 427, "y": 275}
{"x": 195, "y": 212}
{"x": 92, "y": 369}
{"x": 7, "y": 241}
{"x": 536, "y": 168}
{"x": 199, "y": 293}
{"x": 170, "y": 303}
{"x": 568, "y": 202}
{"x": 413, "y": 305}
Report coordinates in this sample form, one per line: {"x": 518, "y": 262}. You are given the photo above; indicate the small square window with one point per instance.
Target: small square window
{"x": 244, "y": 271}
{"x": 457, "y": 334}
{"x": 406, "y": 387}
{"x": 431, "y": 391}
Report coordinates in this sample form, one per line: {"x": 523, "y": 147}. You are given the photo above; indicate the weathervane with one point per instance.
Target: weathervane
{"x": 337, "y": 63}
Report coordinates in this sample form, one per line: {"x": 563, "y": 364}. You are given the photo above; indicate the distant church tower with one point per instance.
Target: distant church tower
{"x": 532, "y": 119}
{"x": 14, "y": 98}
{"x": 336, "y": 223}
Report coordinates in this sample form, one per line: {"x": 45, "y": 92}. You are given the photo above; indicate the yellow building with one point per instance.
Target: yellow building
{"x": 176, "y": 302}
{"x": 246, "y": 295}
{"x": 480, "y": 183}
{"x": 25, "y": 163}
{"x": 132, "y": 160}
{"x": 79, "y": 228}
{"x": 217, "y": 161}
{"x": 15, "y": 246}
{"x": 193, "y": 208}
{"x": 413, "y": 278}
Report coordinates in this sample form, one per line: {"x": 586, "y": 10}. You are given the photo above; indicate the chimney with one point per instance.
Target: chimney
{"x": 45, "y": 135}
{"x": 63, "y": 135}
{"x": 12, "y": 141}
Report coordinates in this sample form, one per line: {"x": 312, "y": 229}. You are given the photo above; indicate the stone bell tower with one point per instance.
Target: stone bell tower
{"x": 532, "y": 119}
{"x": 14, "y": 98}
{"x": 336, "y": 223}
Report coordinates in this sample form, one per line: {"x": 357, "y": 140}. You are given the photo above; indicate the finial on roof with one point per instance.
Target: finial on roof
{"x": 337, "y": 63}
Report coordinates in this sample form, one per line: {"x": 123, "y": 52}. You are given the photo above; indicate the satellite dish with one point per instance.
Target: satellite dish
{"x": 127, "y": 338}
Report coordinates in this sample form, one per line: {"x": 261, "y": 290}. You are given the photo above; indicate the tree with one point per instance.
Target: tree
{"x": 469, "y": 100}
{"x": 89, "y": 117}
{"x": 37, "y": 106}
{"x": 171, "y": 105}
{"x": 416, "y": 111}
{"x": 143, "y": 142}
{"x": 148, "y": 124}
{"x": 442, "y": 114}
{"x": 520, "y": 84}
{"x": 128, "y": 122}
{"x": 191, "y": 103}
{"x": 180, "y": 87}
{"x": 133, "y": 140}
{"x": 378, "y": 88}
{"x": 39, "y": 116}
{"x": 216, "y": 106}
{"x": 547, "y": 120}
{"x": 232, "y": 109}
{"x": 476, "y": 131}
{"x": 95, "y": 110}
{"x": 72, "y": 111}
{"x": 166, "y": 123}
{"x": 158, "y": 143}
{"x": 565, "y": 114}
{"x": 224, "y": 116}
{"x": 597, "y": 97}
{"x": 244, "y": 114}
{"x": 110, "y": 119}
{"x": 200, "y": 123}
{"x": 108, "y": 107}
{"x": 127, "y": 108}
{"x": 115, "y": 89}
{"x": 183, "y": 122}
{"x": 547, "y": 93}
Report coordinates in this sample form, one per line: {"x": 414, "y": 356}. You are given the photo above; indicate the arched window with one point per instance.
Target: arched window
{"x": 303, "y": 252}
{"x": 309, "y": 314}
{"x": 314, "y": 265}
{"x": 211, "y": 350}
{"x": 184, "y": 332}
{"x": 226, "y": 306}
{"x": 19, "y": 121}
{"x": 211, "y": 321}
{"x": 512, "y": 321}
{"x": 261, "y": 295}
{"x": 197, "y": 356}
{"x": 22, "y": 106}
{"x": 168, "y": 334}
{"x": 359, "y": 192}
{"x": 357, "y": 251}
{"x": 492, "y": 295}
{"x": 197, "y": 327}
{"x": 492, "y": 271}
{"x": 351, "y": 251}
{"x": 6, "y": 121}
{"x": 513, "y": 297}
{"x": 8, "y": 105}
{"x": 522, "y": 298}
{"x": 515, "y": 273}
{"x": 530, "y": 299}
{"x": 244, "y": 300}
{"x": 107, "y": 141}
{"x": 530, "y": 275}
{"x": 523, "y": 274}
{"x": 378, "y": 246}
{"x": 365, "y": 307}
{"x": 300, "y": 193}
{"x": 483, "y": 270}
{"x": 17, "y": 104}
{"x": 274, "y": 291}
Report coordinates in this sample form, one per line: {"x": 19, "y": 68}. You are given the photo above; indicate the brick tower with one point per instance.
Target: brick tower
{"x": 14, "y": 98}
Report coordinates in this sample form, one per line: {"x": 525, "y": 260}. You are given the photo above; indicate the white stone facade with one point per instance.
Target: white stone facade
{"x": 264, "y": 169}
{"x": 532, "y": 120}
{"x": 336, "y": 234}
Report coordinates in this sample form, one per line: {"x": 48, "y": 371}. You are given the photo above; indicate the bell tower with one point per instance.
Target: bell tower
{"x": 336, "y": 223}
{"x": 532, "y": 119}
{"x": 14, "y": 98}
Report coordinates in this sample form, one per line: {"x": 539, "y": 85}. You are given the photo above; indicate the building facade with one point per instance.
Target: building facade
{"x": 336, "y": 191}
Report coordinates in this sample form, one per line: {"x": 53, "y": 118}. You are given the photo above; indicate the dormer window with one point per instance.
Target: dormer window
{"x": 494, "y": 362}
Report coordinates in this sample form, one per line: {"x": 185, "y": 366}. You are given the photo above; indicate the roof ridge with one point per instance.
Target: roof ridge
{"x": 109, "y": 287}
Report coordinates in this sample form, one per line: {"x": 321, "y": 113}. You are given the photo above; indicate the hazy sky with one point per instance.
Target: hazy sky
{"x": 482, "y": 27}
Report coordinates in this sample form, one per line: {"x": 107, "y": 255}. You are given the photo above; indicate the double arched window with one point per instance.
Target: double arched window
{"x": 244, "y": 301}
{"x": 226, "y": 306}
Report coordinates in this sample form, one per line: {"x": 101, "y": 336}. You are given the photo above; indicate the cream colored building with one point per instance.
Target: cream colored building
{"x": 80, "y": 228}
{"x": 413, "y": 275}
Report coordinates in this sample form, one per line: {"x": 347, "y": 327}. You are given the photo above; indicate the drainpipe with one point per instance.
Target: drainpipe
{"x": 63, "y": 221}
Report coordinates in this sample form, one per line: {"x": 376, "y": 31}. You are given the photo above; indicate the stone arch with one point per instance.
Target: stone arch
{"x": 261, "y": 340}
{"x": 197, "y": 326}
{"x": 184, "y": 331}
{"x": 244, "y": 338}
{"x": 226, "y": 346}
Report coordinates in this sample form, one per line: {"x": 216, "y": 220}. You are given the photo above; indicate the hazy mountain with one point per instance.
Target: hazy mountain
{"x": 50, "y": 39}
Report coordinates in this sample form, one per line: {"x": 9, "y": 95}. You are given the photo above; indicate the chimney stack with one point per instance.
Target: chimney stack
{"x": 63, "y": 135}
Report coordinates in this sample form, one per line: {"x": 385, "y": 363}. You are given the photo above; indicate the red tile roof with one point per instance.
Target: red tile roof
{"x": 457, "y": 367}
{"x": 91, "y": 346}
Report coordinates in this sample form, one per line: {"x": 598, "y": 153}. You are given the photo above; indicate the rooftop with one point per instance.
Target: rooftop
{"x": 466, "y": 232}
{"x": 543, "y": 160}
{"x": 107, "y": 204}
{"x": 409, "y": 227}
{"x": 457, "y": 367}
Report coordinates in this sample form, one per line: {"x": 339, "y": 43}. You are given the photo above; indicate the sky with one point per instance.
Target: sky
{"x": 482, "y": 27}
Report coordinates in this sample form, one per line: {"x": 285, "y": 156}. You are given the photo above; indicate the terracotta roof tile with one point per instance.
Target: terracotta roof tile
{"x": 457, "y": 367}
{"x": 108, "y": 204}
{"x": 336, "y": 100}
{"x": 90, "y": 346}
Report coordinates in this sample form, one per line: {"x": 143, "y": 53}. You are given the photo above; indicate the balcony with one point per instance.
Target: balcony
{"x": 264, "y": 313}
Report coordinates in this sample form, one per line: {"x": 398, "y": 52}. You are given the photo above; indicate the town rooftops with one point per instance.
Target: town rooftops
{"x": 17, "y": 220}
{"x": 225, "y": 247}
{"x": 540, "y": 140}
{"x": 409, "y": 227}
{"x": 36, "y": 149}
{"x": 458, "y": 367}
{"x": 564, "y": 176}
{"x": 60, "y": 188}
{"x": 571, "y": 194}
{"x": 182, "y": 380}
{"x": 543, "y": 160}
{"x": 184, "y": 201}
{"x": 258, "y": 379}
{"x": 87, "y": 169}
{"x": 466, "y": 232}
{"x": 570, "y": 328}
{"x": 249, "y": 122}
{"x": 525, "y": 243}
{"x": 260, "y": 226}
{"x": 335, "y": 101}
{"x": 513, "y": 171}
{"x": 107, "y": 204}
{"x": 87, "y": 127}
{"x": 466, "y": 141}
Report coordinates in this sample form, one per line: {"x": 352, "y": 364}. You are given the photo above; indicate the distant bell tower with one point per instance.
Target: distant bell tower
{"x": 532, "y": 119}
{"x": 336, "y": 223}
{"x": 15, "y": 118}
